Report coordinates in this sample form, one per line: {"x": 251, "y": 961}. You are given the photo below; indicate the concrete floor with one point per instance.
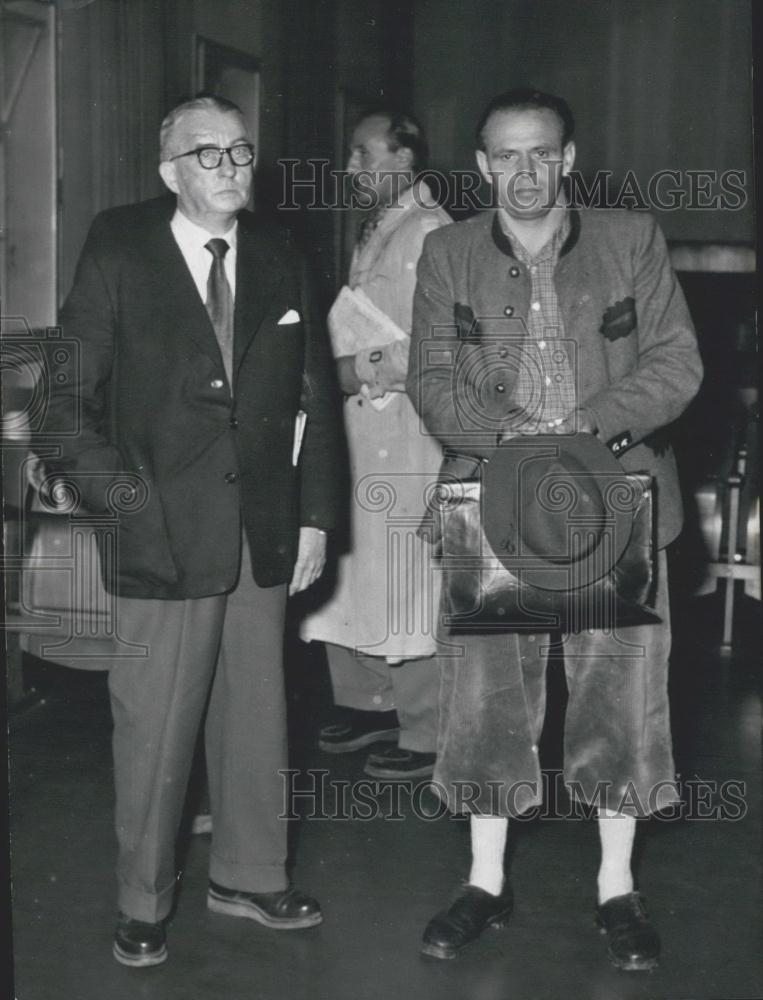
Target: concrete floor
{"x": 380, "y": 880}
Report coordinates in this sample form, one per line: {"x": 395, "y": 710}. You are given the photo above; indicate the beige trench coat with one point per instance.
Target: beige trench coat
{"x": 388, "y": 588}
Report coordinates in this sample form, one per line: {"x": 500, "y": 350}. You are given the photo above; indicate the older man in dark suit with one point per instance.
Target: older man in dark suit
{"x": 208, "y": 407}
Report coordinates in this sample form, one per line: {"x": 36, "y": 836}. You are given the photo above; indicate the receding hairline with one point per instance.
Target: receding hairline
{"x": 176, "y": 116}
{"x": 402, "y": 130}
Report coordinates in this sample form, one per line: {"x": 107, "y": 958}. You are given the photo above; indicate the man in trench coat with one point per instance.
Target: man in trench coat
{"x": 379, "y": 621}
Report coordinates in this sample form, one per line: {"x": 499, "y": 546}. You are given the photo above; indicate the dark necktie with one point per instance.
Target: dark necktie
{"x": 220, "y": 303}
{"x": 371, "y": 220}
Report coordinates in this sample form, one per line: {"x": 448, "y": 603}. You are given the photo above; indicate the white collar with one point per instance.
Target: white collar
{"x": 189, "y": 234}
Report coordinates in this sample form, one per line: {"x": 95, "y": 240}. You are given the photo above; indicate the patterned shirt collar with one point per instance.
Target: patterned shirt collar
{"x": 549, "y": 251}
{"x": 506, "y": 246}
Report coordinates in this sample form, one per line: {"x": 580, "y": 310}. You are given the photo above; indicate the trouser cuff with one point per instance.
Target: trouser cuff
{"x": 146, "y": 906}
{"x": 363, "y": 701}
{"x": 418, "y": 742}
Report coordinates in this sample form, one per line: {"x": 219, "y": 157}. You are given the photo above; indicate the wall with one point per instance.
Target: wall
{"x": 111, "y": 100}
{"x": 28, "y": 164}
{"x": 653, "y": 86}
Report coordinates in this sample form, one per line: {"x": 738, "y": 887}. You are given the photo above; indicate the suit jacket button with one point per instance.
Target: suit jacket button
{"x": 514, "y": 272}
{"x": 233, "y": 422}
{"x": 217, "y": 383}
{"x": 230, "y": 477}
{"x": 508, "y": 311}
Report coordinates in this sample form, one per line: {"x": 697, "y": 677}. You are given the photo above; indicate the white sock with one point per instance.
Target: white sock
{"x": 616, "y": 833}
{"x": 488, "y": 845}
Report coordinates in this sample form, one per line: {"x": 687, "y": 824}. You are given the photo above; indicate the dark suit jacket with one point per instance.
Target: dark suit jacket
{"x": 162, "y": 442}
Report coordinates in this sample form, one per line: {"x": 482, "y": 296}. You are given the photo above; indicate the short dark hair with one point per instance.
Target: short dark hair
{"x": 404, "y": 132}
{"x": 202, "y": 102}
{"x": 528, "y": 99}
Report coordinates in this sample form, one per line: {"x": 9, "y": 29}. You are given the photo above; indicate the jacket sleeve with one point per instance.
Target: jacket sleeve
{"x": 669, "y": 370}
{"x": 323, "y": 461}
{"x": 77, "y": 417}
{"x": 389, "y": 369}
{"x": 462, "y": 390}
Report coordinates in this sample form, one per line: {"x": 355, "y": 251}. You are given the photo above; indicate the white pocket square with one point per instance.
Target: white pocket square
{"x": 291, "y": 316}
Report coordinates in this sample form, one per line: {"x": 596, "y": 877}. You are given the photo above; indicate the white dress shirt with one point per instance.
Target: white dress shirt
{"x": 192, "y": 239}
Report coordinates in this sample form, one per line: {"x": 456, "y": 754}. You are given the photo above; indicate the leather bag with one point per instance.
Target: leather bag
{"x": 480, "y": 594}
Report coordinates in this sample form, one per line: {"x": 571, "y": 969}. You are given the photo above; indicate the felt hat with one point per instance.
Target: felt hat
{"x": 557, "y": 510}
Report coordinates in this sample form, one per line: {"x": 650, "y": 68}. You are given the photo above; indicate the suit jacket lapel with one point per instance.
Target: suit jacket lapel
{"x": 257, "y": 278}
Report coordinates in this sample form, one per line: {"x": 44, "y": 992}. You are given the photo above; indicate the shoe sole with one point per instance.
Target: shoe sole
{"x": 390, "y": 775}
{"x": 382, "y": 736}
{"x": 436, "y": 951}
{"x": 645, "y": 965}
{"x": 139, "y": 961}
{"x": 498, "y": 922}
{"x": 229, "y": 908}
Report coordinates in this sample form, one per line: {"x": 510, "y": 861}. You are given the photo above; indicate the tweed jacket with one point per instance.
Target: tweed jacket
{"x": 196, "y": 458}
{"x": 635, "y": 357}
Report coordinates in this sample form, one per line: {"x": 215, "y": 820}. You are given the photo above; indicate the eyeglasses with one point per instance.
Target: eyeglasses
{"x": 210, "y": 157}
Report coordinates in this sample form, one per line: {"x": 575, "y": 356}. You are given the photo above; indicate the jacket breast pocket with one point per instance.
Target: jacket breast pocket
{"x": 619, "y": 319}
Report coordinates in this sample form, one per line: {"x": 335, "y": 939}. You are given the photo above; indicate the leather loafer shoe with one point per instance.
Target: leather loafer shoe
{"x": 396, "y": 763}
{"x": 352, "y": 729}
{"x": 469, "y": 914}
{"x": 633, "y": 943}
{"x": 288, "y": 909}
{"x": 138, "y": 944}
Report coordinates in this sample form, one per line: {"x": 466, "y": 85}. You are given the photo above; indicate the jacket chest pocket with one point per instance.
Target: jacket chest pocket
{"x": 619, "y": 319}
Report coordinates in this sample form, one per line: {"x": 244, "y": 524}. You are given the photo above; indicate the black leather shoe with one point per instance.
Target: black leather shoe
{"x": 352, "y": 729}
{"x": 469, "y": 914}
{"x": 137, "y": 943}
{"x": 633, "y": 942}
{"x": 396, "y": 764}
{"x": 288, "y": 909}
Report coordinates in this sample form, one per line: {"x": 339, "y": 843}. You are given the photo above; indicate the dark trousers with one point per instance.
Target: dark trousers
{"x": 227, "y": 649}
